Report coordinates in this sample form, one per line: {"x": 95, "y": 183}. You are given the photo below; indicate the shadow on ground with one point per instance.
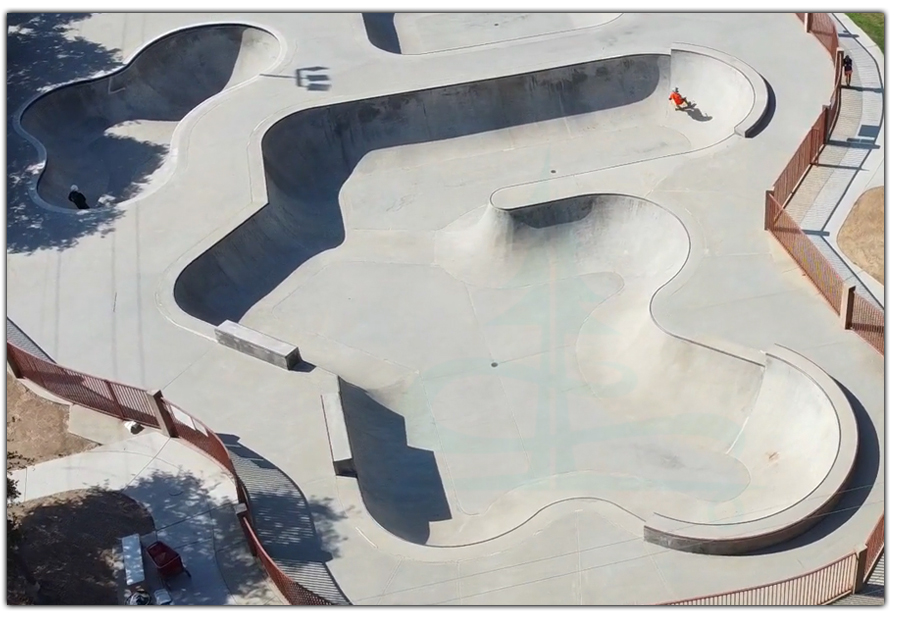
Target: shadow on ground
{"x": 400, "y": 485}
{"x": 41, "y": 52}
{"x": 297, "y": 533}
{"x": 864, "y": 477}
{"x": 70, "y": 543}
{"x": 382, "y": 32}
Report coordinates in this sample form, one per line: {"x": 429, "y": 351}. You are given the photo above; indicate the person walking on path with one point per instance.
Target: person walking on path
{"x": 77, "y": 198}
{"x": 848, "y": 70}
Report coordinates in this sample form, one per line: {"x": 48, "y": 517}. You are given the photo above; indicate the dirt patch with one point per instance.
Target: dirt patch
{"x": 862, "y": 236}
{"x": 36, "y": 429}
{"x": 69, "y": 543}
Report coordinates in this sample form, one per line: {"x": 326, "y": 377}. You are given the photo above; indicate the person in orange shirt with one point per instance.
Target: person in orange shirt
{"x": 680, "y": 102}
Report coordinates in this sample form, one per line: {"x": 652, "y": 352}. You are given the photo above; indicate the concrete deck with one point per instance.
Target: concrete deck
{"x": 382, "y": 305}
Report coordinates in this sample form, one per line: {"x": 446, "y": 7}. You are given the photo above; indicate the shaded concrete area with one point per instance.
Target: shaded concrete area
{"x": 293, "y": 529}
{"x": 191, "y": 502}
{"x": 111, "y": 136}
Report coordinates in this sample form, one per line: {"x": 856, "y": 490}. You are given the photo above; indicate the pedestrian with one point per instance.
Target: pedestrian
{"x": 77, "y": 198}
{"x": 848, "y": 70}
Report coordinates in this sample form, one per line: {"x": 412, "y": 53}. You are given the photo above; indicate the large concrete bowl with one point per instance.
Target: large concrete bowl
{"x": 112, "y": 135}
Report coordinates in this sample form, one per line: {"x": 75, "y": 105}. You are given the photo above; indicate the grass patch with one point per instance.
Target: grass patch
{"x": 872, "y": 24}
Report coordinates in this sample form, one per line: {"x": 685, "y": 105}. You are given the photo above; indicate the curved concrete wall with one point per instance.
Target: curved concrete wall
{"x": 111, "y": 135}
{"x": 308, "y": 156}
{"x": 723, "y": 87}
{"x": 799, "y": 444}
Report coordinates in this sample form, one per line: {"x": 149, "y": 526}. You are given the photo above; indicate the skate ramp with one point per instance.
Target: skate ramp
{"x": 458, "y": 450}
{"x": 799, "y": 445}
{"x": 424, "y": 33}
{"x": 326, "y": 165}
{"x": 112, "y": 135}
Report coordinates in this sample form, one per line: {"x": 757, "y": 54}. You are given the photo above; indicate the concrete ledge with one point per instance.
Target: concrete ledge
{"x": 338, "y": 439}
{"x": 781, "y": 525}
{"x": 256, "y": 344}
{"x": 752, "y": 123}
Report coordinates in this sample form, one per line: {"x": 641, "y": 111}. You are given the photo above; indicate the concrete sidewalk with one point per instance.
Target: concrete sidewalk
{"x": 190, "y": 499}
{"x": 852, "y": 161}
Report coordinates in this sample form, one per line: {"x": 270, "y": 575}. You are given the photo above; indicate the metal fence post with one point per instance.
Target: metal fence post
{"x": 163, "y": 416}
{"x": 848, "y": 294}
{"x": 862, "y": 559}
{"x": 12, "y": 362}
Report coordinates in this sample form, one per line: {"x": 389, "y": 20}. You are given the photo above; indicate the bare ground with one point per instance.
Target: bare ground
{"x": 67, "y": 541}
{"x": 36, "y": 429}
{"x": 862, "y": 236}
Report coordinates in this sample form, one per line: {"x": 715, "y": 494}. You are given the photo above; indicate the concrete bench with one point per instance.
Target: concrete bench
{"x": 341, "y": 456}
{"x": 256, "y": 344}
{"x": 133, "y": 560}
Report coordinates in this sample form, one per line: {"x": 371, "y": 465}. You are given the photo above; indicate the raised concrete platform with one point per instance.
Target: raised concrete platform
{"x": 256, "y": 344}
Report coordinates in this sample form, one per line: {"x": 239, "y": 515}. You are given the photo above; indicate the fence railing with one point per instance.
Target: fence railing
{"x": 821, "y": 586}
{"x": 843, "y": 576}
{"x": 865, "y": 319}
{"x": 801, "y": 248}
{"x": 874, "y": 546}
{"x": 132, "y": 403}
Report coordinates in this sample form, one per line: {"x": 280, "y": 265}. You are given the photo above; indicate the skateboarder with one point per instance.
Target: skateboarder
{"x": 848, "y": 70}
{"x": 680, "y": 102}
{"x": 77, "y": 198}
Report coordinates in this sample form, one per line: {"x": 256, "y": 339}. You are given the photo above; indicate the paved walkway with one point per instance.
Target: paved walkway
{"x": 189, "y": 497}
{"x": 851, "y": 162}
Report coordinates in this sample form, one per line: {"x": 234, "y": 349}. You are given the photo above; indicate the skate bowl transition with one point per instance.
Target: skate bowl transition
{"x": 424, "y": 33}
{"x": 112, "y": 135}
{"x": 317, "y": 159}
{"x": 475, "y": 425}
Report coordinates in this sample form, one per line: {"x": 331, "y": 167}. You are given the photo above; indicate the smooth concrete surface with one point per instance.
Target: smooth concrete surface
{"x": 424, "y": 33}
{"x": 191, "y": 502}
{"x": 112, "y": 136}
{"x": 106, "y": 301}
{"x": 323, "y": 163}
{"x": 799, "y": 445}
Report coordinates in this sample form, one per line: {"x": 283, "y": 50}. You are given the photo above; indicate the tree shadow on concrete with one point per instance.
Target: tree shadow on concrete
{"x": 401, "y": 486}
{"x": 856, "y": 489}
{"x": 297, "y": 533}
{"x": 71, "y": 542}
{"x": 41, "y": 53}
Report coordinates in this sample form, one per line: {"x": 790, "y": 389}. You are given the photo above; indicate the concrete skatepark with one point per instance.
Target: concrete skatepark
{"x": 557, "y": 327}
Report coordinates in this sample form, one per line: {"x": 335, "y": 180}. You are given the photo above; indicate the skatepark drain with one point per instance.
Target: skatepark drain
{"x": 553, "y": 170}
{"x": 494, "y": 364}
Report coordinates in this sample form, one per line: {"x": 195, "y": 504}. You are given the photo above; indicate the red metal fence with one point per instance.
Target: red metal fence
{"x": 868, "y": 322}
{"x": 866, "y": 319}
{"x": 801, "y": 248}
{"x": 874, "y": 546}
{"x": 821, "y": 586}
{"x": 132, "y": 403}
{"x": 121, "y": 401}
{"x": 799, "y": 163}
{"x": 292, "y": 591}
